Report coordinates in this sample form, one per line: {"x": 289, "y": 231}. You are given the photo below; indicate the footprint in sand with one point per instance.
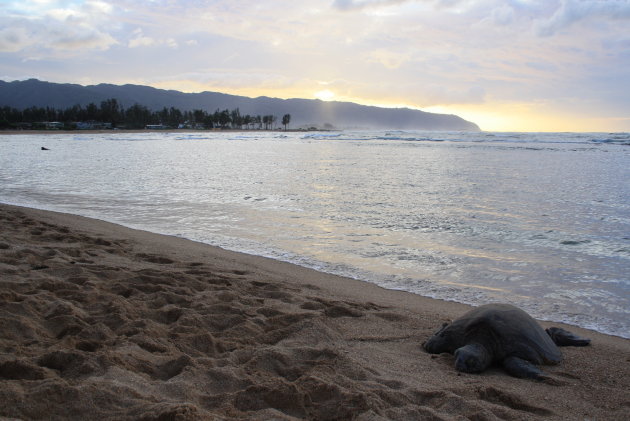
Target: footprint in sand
{"x": 21, "y": 370}
{"x": 496, "y": 396}
{"x": 153, "y": 258}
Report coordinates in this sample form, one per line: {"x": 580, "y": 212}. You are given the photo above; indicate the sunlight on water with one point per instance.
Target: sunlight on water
{"x": 538, "y": 220}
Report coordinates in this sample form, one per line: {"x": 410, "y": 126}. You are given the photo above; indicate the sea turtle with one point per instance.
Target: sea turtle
{"x": 503, "y": 334}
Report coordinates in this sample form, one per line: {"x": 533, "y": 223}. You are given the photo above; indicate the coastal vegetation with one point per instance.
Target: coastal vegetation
{"x": 111, "y": 114}
{"x": 145, "y": 105}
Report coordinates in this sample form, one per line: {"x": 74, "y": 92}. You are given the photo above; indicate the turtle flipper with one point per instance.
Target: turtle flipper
{"x": 563, "y": 337}
{"x": 472, "y": 358}
{"x": 519, "y": 367}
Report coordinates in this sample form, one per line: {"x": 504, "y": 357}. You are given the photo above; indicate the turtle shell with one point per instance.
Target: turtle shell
{"x": 504, "y": 329}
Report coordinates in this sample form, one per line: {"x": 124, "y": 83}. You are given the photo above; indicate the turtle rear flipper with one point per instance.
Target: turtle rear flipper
{"x": 563, "y": 337}
{"x": 519, "y": 367}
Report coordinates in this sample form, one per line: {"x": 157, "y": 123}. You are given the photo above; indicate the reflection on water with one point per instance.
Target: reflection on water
{"x": 539, "y": 220}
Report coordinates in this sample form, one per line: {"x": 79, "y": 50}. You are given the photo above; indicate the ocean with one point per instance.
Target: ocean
{"x": 539, "y": 220}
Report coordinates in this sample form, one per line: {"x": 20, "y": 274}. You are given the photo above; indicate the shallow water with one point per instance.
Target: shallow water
{"x": 538, "y": 220}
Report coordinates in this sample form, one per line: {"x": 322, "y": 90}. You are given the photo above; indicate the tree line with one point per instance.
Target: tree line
{"x": 112, "y": 114}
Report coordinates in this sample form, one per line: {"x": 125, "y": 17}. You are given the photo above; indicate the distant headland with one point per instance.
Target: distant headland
{"x": 134, "y": 106}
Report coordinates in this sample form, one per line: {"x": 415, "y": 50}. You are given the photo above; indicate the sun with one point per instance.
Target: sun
{"x": 325, "y": 95}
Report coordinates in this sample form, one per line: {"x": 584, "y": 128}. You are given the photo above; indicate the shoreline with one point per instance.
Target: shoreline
{"x": 274, "y": 261}
{"x": 129, "y": 324}
{"x": 265, "y": 261}
{"x": 126, "y": 131}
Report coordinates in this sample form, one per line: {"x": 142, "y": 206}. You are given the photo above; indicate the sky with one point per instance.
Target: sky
{"x": 507, "y": 65}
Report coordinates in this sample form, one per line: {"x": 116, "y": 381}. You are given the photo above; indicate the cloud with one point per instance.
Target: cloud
{"x": 503, "y": 15}
{"x": 13, "y": 40}
{"x": 362, "y": 4}
{"x": 570, "y": 12}
{"x": 389, "y": 59}
{"x": 80, "y": 38}
{"x": 141, "y": 40}
{"x": 41, "y": 25}
{"x": 235, "y": 78}
{"x": 67, "y": 36}
{"x": 433, "y": 94}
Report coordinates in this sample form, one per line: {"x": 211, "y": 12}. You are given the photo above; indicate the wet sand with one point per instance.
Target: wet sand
{"x": 98, "y": 321}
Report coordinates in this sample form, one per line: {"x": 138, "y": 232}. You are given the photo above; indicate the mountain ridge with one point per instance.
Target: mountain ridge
{"x": 304, "y": 112}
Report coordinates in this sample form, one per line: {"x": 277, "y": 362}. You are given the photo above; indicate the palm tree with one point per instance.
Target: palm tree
{"x": 286, "y": 119}
{"x": 235, "y": 117}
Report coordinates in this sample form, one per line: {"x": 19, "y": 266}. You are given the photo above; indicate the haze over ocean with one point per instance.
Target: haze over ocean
{"x": 538, "y": 220}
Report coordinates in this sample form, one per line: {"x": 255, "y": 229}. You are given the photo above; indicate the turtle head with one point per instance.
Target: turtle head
{"x": 442, "y": 341}
{"x": 472, "y": 358}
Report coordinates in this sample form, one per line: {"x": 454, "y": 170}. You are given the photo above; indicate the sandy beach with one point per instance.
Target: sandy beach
{"x": 98, "y": 321}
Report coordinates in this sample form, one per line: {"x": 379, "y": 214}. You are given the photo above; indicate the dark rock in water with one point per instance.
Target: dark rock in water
{"x": 574, "y": 242}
